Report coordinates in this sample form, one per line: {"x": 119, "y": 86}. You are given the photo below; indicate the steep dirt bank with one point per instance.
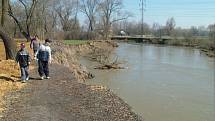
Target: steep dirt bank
{"x": 68, "y": 55}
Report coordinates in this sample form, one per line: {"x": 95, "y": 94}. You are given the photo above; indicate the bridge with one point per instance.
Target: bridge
{"x": 144, "y": 39}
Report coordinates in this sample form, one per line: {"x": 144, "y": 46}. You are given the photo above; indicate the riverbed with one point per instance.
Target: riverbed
{"x": 162, "y": 83}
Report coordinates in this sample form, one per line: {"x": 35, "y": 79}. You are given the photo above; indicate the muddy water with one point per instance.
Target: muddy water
{"x": 162, "y": 83}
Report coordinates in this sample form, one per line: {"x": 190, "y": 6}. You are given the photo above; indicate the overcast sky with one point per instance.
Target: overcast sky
{"x": 186, "y": 12}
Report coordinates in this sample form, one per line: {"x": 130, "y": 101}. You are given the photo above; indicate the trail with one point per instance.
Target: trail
{"x": 62, "y": 98}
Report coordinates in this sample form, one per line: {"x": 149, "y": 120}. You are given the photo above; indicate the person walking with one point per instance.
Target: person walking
{"x": 35, "y": 43}
{"x": 24, "y": 59}
{"x": 43, "y": 56}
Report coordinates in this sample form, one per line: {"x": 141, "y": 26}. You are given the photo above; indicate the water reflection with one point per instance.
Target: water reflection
{"x": 163, "y": 83}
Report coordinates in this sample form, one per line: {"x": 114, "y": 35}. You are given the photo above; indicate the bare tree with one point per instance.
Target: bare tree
{"x": 194, "y": 31}
{"x": 156, "y": 29}
{"x": 108, "y": 8}
{"x": 49, "y": 16}
{"x": 29, "y": 9}
{"x": 170, "y": 25}
{"x": 67, "y": 12}
{"x": 41, "y": 19}
{"x": 212, "y": 32}
{"x": 89, "y": 7}
{"x": 132, "y": 28}
{"x": 9, "y": 43}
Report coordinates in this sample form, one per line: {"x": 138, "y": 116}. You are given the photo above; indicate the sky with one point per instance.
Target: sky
{"x": 185, "y": 12}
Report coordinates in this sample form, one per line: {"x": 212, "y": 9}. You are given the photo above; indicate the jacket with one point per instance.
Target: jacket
{"x": 23, "y": 58}
{"x": 34, "y": 44}
{"x": 43, "y": 53}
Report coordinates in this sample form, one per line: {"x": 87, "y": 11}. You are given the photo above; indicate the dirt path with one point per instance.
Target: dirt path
{"x": 62, "y": 98}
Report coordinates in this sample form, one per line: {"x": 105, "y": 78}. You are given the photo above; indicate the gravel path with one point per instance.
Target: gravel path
{"x": 62, "y": 98}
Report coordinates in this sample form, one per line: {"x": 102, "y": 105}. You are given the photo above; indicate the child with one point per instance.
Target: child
{"x": 23, "y": 58}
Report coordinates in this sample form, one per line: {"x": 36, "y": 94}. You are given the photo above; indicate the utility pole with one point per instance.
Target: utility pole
{"x": 143, "y": 5}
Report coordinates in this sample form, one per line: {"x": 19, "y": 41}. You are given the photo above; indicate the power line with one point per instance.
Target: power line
{"x": 170, "y": 8}
{"x": 184, "y": 16}
{"x": 189, "y": 16}
{"x": 174, "y": 9}
{"x": 185, "y": 2}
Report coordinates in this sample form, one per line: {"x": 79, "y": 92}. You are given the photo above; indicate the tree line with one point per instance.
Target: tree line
{"x": 48, "y": 17}
{"x": 79, "y": 19}
{"x": 202, "y": 36}
{"x": 169, "y": 29}
{"x": 58, "y": 19}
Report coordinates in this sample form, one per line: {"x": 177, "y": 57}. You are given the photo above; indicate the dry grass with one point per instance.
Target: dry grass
{"x": 9, "y": 76}
{"x": 2, "y": 52}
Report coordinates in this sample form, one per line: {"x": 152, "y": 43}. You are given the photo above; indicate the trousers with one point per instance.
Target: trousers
{"x": 24, "y": 72}
{"x": 43, "y": 68}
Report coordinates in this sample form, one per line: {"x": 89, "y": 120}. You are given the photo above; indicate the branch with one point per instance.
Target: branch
{"x": 119, "y": 19}
{"x": 33, "y": 6}
{"x": 10, "y": 13}
{"x": 25, "y": 6}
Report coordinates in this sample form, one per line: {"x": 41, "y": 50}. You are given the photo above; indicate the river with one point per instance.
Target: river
{"x": 162, "y": 83}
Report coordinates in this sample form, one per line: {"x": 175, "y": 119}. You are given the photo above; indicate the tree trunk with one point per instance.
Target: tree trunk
{"x": 9, "y": 44}
{"x": 3, "y": 10}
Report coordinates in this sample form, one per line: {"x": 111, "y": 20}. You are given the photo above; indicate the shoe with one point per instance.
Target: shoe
{"x": 27, "y": 78}
{"x": 41, "y": 77}
{"x": 47, "y": 77}
{"x": 23, "y": 81}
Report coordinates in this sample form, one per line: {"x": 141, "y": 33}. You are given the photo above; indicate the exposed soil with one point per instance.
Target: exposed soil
{"x": 68, "y": 55}
{"x": 62, "y": 98}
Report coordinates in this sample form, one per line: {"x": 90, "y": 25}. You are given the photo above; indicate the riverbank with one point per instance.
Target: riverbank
{"x": 63, "y": 94}
{"x": 69, "y": 55}
{"x": 206, "y": 46}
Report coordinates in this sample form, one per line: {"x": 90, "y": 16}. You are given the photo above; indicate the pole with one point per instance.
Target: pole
{"x": 142, "y": 17}
{"x": 142, "y": 5}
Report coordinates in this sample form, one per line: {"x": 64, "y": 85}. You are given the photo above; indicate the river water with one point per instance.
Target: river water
{"x": 162, "y": 83}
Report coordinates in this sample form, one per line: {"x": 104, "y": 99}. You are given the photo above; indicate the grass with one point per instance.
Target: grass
{"x": 9, "y": 76}
{"x": 75, "y": 42}
{"x": 2, "y": 51}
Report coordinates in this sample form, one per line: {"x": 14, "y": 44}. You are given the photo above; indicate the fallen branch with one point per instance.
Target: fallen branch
{"x": 112, "y": 66}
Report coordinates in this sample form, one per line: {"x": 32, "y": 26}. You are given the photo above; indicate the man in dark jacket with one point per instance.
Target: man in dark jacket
{"x": 24, "y": 59}
{"x": 43, "y": 55}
